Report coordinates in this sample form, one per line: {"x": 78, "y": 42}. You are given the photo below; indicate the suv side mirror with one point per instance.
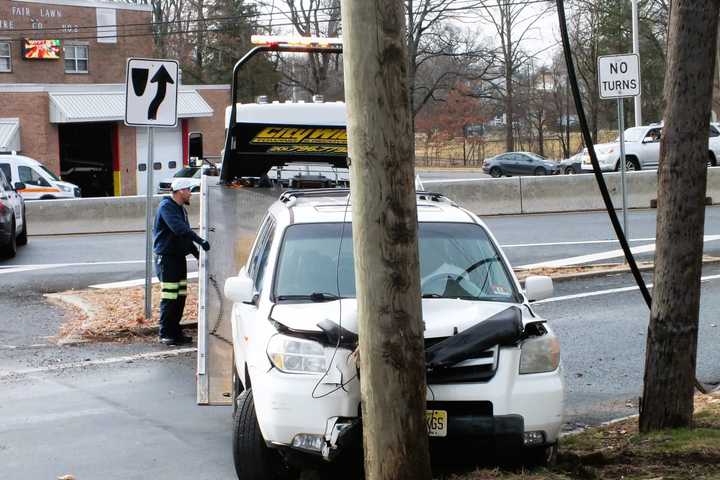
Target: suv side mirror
{"x": 239, "y": 289}
{"x": 538, "y": 287}
{"x": 19, "y": 186}
{"x": 195, "y": 145}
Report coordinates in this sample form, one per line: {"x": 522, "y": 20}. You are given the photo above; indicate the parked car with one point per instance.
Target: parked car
{"x": 39, "y": 182}
{"x": 192, "y": 173}
{"x": 493, "y": 364}
{"x": 572, "y": 165}
{"x": 642, "y": 149}
{"x": 13, "y": 227}
{"x": 519, "y": 163}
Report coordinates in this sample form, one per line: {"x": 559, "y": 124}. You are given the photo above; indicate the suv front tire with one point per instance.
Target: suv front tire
{"x": 252, "y": 457}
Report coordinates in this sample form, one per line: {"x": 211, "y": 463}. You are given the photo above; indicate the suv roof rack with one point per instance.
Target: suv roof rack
{"x": 314, "y": 192}
{"x": 343, "y": 192}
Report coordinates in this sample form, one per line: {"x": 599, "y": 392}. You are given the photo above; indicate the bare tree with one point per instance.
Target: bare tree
{"x": 513, "y": 24}
{"x": 671, "y": 350}
{"x": 440, "y": 53}
{"x": 315, "y": 73}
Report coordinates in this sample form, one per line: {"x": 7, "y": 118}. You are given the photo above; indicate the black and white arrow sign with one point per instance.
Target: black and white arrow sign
{"x": 151, "y": 93}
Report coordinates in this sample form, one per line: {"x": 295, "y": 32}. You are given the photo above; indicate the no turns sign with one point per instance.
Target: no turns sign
{"x": 618, "y": 76}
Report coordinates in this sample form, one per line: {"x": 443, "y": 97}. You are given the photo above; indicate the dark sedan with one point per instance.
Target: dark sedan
{"x": 519, "y": 163}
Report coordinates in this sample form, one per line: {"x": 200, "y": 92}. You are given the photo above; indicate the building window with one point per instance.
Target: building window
{"x": 76, "y": 58}
{"x": 5, "y": 63}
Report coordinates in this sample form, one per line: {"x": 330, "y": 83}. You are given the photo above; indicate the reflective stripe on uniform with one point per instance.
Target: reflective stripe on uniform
{"x": 182, "y": 293}
{"x": 183, "y": 282}
{"x": 169, "y": 295}
{"x": 169, "y": 285}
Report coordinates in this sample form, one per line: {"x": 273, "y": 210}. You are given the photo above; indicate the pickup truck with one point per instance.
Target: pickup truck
{"x": 642, "y": 150}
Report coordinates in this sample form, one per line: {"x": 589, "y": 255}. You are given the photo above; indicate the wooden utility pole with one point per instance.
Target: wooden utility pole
{"x": 384, "y": 215}
{"x": 672, "y": 334}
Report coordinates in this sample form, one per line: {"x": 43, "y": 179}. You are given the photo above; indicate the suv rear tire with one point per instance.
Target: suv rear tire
{"x": 22, "y": 238}
{"x": 10, "y": 249}
{"x": 253, "y": 459}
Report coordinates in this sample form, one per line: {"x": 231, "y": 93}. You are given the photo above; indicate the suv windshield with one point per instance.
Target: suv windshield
{"x": 635, "y": 134}
{"x": 457, "y": 260}
{"x": 186, "y": 172}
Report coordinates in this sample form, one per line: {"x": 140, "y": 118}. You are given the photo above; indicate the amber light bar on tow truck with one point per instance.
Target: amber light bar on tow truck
{"x": 295, "y": 41}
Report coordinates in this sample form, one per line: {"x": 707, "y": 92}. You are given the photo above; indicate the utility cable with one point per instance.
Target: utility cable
{"x": 572, "y": 78}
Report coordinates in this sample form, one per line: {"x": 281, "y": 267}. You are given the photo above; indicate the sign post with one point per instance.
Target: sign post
{"x": 619, "y": 78}
{"x": 150, "y": 101}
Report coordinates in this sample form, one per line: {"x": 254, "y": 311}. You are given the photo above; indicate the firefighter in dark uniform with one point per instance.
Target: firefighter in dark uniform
{"x": 172, "y": 242}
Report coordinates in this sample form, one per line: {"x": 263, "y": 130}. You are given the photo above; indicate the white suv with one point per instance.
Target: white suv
{"x": 294, "y": 327}
{"x": 642, "y": 150}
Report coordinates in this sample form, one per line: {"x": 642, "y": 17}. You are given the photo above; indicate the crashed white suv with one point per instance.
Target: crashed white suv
{"x": 493, "y": 374}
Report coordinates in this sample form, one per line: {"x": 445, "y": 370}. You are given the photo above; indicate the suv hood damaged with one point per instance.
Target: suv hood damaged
{"x": 442, "y": 317}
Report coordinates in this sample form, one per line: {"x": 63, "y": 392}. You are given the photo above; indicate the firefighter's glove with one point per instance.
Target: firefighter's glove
{"x": 205, "y": 245}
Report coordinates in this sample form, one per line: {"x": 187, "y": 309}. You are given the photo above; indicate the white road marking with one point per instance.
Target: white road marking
{"x": 18, "y": 269}
{"x": 577, "y": 242}
{"x": 134, "y": 283}
{"x": 104, "y": 361}
{"x": 43, "y": 266}
{"x": 609, "y": 291}
{"x": 593, "y": 257}
{"x": 24, "y": 421}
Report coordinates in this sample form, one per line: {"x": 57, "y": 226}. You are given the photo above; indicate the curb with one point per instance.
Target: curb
{"x": 87, "y": 310}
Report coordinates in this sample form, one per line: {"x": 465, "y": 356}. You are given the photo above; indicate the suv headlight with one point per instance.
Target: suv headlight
{"x": 65, "y": 188}
{"x": 295, "y": 355}
{"x": 539, "y": 354}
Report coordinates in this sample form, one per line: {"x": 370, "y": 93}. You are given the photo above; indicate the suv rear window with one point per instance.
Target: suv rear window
{"x": 457, "y": 260}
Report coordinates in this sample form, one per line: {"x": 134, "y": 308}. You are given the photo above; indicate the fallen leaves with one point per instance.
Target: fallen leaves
{"x": 114, "y": 314}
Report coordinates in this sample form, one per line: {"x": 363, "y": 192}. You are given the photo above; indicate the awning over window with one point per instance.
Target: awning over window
{"x": 9, "y": 134}
{"x": 73, "y": 107}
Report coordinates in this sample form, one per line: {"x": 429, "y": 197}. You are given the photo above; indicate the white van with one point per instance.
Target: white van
{"x": 40, "y": 183}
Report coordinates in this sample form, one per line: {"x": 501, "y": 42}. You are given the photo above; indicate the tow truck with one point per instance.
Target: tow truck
{"x": 277, "y": 311}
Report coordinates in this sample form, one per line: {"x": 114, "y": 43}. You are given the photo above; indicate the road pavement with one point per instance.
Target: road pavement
{"x": 123, "y": 410}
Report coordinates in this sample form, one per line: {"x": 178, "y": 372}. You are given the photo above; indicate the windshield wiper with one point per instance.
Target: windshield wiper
{"x": 454, "y": 297}
{"x": 432, "y": 295}
{"x": 313, "y": 297}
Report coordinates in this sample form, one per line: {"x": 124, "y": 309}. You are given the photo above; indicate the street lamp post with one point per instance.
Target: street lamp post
{"x": 636, "y": 50}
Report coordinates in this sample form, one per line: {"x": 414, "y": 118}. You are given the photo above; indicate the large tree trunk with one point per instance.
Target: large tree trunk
{"x": 384, "y": 213}
{"x": 672, "y": 333}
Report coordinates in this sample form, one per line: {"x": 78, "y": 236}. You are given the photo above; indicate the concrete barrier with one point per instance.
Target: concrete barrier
{"x": 94, "y": 215}
{"x": 502, "y": 196}
{"x": 566, "y": 193}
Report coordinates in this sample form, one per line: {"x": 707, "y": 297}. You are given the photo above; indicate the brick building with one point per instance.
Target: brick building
{"x": 62, "y": 94}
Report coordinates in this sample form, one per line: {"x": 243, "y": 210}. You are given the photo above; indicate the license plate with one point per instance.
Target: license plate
{"x": 436, "y": 422}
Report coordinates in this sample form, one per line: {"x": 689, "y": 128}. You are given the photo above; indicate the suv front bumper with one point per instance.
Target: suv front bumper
{"x": 292, "y": 407}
